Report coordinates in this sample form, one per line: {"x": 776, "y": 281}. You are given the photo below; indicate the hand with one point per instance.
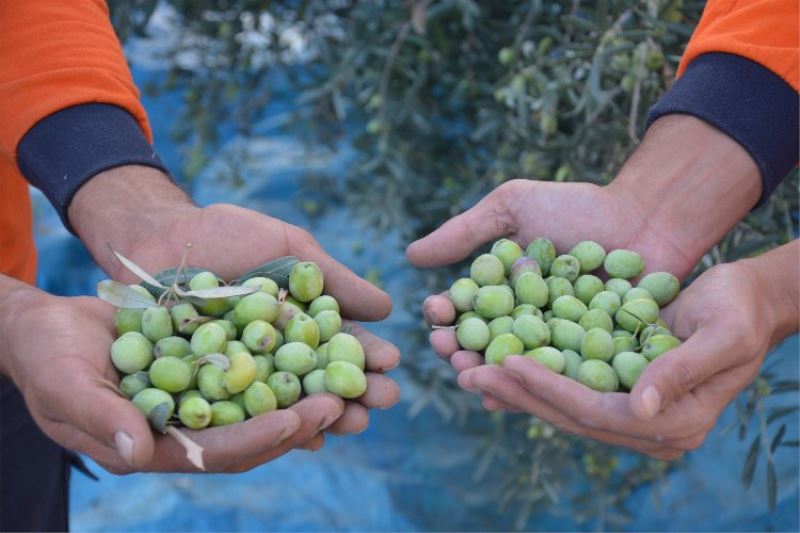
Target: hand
{"x": 522, "y": 210}
{"x": 643, "y": 210}
{"x": 56, "y": 350}
{"x": 729, "y": 316}
{"x": 227, "y": 240}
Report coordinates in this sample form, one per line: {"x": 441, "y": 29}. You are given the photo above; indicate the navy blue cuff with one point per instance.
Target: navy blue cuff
{"x": 68, "y": 148}
{"x": 748, "y": 102}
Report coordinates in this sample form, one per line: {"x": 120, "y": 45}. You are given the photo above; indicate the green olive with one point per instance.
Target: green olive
{"x": 507, "y": 252}
{"x": 224, "y": 413}
{"x": 297, "y": 358}
{"x": 558, "y": 287}
{"x": 259, "y": 336}
{"x": 587, "y": 287}
{"x": 531, "y": 289}
{"x": 543, "y": 252}
{"x": 172, "y": 346}
{"x": 596, "y": 318}
{"x": 286, "y": 386}
{"x": 569, "y": 308}
{"x": 208, "y": 338}
{"x": 565, "y": 334}
{"x": 487, "y": 270}
{"x": 619, "y": 286}
{"x": 662, "y": 285}
{"x": 194, "y": 412}
{"x": 171, "y": 374}
{"x": 503, "y": 346}
{"x": 305, "y": 281}
{"x": 131, "y": 352}
{"x": 629, "y": 366}
{"x": 623, "y": 264}
{"x": 156, "y": 323}
{"x": 345, "y": 347}
{"x": 500, "y": 325}
{"x": 532, "y": 331}
{"x": 314, "y": 382}
{"x": 345, "y": 379}
{"x": 549, "y": 357}
{"x": 598, "y": 375}
{"x": 608, "y": 301}
{"x": 462, "y": 294}
{"x": 302, "y": 328}
{"x": 323, "y": 303}
{"x": 473, "y": 334}
{"x": 494, "y": 301}
{"x": 590, "y": 255}
{"x": 566, "y": 266}
{"x": 656, "y": 345}
{"x": 259, "y": 398}
{"x": 597, "y": 344}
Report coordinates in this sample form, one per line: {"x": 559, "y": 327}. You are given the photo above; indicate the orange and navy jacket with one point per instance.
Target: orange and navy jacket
{"x": 69, "y": 108}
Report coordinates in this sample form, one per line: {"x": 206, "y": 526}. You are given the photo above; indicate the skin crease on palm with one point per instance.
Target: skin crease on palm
{"x": 688, "y": 388}
{"x": 83, "y": 414}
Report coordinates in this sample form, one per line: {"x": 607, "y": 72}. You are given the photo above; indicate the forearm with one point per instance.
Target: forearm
{"x": 124, "y": 206}
{"x": 690, "y": 182}
{"x": 777, "y": 272}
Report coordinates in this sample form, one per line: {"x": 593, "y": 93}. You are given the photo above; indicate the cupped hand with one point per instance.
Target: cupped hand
{"x": 680, "y": 395}
{"x": 230, "y": 240}
{"x": 523, "y": 210}
{"x": 728, "y": 327}
{"x": 58, "y": 355}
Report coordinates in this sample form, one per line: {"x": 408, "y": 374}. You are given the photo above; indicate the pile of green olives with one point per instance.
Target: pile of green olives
{"x": 553, "y": 308}
{"x": 219, "y": 361}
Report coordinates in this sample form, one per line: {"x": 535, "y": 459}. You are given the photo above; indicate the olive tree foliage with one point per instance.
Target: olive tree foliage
{"x": 444, "y": 100}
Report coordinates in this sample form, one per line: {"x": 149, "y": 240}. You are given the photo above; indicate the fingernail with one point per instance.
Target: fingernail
{"x": 327, "y": 421}
{"x": 285, "y": 434}
{"x": 124, "y": 444}
{"x": 651, "y": 402}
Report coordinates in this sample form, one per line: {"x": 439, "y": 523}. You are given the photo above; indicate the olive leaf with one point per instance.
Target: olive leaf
{"x": 194, "y": 452}
{"x": 750, "y": 463}
{"x": 159, "y": 416}
{"x": 772, "y": 485}
{"x": 120, "y": 295}
{"x": 221, "y": 292}
{"x": 277, "y": 270}
{"x": 139, "y": 271}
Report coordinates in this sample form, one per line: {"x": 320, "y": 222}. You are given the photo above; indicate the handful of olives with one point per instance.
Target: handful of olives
{"x": 551, "y": 308}
{"x": 218, "y": 359}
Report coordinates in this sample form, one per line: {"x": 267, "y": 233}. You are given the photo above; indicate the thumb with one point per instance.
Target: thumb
{"x": 678, "y": 371}
{"x": 458, "y": 237}
{"x": 359, "y": 299}
{"x": 110, "y": 419}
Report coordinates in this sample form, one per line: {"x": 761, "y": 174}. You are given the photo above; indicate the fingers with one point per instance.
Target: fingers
{"x": 354, "y": 420}
{"x": 382, "y": 392}
{"x": 608, "y": 412}
{"x": 707, "y": 352}
{"x": 500, "y": 390}
{"x": 438, "y": 310}
{"x": 444, "y": 342}
{"x": 381, "y": 355}
{"x": 358, "y": 298}
{"x": 464, "y": 360}
{"x": 458, "y": 237}
{"x": 105, "y": 416}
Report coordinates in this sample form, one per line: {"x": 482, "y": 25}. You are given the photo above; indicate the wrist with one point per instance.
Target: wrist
{"x": 123, "y": 207}
{"x": 690, "y": 184}
{"x": 16, "y": 299}
{"x": 776, "y": 277}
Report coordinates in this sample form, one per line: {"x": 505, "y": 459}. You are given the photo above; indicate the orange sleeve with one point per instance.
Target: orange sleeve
{"x": 764, "y": 31}
{"x": 56, "y": 54}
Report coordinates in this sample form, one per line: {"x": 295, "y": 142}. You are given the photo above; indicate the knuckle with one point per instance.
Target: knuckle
{"x": 685, "y": 376}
